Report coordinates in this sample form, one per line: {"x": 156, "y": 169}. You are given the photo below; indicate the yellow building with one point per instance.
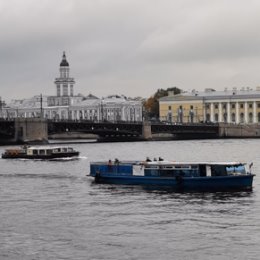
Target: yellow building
{"x": 230, "y": 106}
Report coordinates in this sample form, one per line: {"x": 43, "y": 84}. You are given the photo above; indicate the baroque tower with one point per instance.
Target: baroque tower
{"x": 64, "y": 84}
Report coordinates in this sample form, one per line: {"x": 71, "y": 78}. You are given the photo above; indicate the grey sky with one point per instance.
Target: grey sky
{"x": 130, "y": 47}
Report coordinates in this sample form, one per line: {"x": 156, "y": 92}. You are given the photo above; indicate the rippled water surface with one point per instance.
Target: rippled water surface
{"x": 52, "y": 210}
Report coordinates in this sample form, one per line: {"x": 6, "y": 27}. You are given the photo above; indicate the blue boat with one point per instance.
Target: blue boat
{"x": 181, "y": 176}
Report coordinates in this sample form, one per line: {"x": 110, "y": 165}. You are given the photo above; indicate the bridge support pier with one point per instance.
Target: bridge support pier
{"x": 31, "y": 130}
{"x": 147, "y": 130}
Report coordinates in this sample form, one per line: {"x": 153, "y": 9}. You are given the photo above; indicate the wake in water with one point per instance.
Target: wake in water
{"x": 65, "y": 159}
{"x": 69, "y": 158}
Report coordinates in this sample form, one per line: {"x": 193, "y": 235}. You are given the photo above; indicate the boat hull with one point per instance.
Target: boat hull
{"x": 41, "y": 157}
{"x": 219, "y": 183}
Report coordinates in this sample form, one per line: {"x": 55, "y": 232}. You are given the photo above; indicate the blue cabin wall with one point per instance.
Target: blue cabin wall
{"x": 115, "y": 168}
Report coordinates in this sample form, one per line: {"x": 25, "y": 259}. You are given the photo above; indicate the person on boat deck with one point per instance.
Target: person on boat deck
{"x": 148, "y": 159}
{"x": 110, "y": 165}
{"x": 160, "y": 159}
{"x": 116, "y": 161}
{"x": 154, "y": 159}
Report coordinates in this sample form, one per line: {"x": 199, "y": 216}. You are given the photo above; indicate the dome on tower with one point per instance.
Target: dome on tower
{"x": 64, "y": 62}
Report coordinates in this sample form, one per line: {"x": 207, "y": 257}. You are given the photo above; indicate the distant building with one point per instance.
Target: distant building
{"x": 67, "y": 106}
{"x": 112, "y": 108}
{"x": 230, "y": 106}
{"x": 64, "y": 87}
{"x": 29, "y": 107}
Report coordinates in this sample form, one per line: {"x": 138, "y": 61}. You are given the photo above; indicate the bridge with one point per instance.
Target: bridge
{"x": 186, "y": 131}
{"x": 142, "y": 131}
{"x": 36, "y": 129}
{"x": 104, "y": 130}
{"x": 7, "y": 129}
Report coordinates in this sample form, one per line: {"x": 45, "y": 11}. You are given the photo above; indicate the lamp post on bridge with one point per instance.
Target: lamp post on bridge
{"x": 41, "y": 109}
{"x": 1, "y": 104}
{"x": 102, "y": 110}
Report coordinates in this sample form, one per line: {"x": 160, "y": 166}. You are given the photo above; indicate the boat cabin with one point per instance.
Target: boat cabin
{"x": 48, "y": 150}
{"x": 193, "y": 170}
{"x": 169, "y": 169}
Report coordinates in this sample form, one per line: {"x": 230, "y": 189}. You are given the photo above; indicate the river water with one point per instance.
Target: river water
{"x": 52, "y": 210}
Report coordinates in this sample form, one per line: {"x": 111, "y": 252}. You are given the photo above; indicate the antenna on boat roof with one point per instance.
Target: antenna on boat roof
{"x": 250, "y": 166}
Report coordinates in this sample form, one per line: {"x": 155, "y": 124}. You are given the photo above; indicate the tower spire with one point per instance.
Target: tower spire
{"x": 64, "y": 83}
{"x": 64, "y": 62}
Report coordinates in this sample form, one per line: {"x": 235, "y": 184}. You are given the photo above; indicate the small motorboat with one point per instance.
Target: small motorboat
{"x": 39, "y": 152}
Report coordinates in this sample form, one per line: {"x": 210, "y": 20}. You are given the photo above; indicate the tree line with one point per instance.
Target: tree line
{"x": 151, "y": 105}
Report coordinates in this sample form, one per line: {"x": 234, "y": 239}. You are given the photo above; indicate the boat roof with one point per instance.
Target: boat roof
{"x": 164, "y": 162}
{"x": 194, "y": 163}
{"x": 46, "y": 147}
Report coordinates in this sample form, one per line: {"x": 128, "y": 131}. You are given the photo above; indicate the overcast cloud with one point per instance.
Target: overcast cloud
{"x": 130, "y": 47}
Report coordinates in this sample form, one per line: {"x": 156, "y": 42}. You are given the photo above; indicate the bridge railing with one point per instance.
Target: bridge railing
{"x": 93, "y": 121}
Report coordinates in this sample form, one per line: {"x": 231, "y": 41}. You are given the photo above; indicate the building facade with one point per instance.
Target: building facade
{"x": 67, "y": 106}
{"x": 229, "y": 106}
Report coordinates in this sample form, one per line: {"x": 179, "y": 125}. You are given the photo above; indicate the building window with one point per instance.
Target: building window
{"x": 225, "y": 117}
{"x": 71, "y": 90}
{"x": 250, "y": 105}
{"x": 58, "y": 90}
{"x": 65, "y": 90}
{"x": 207, "y": 106}
{"x": 250, "y": 118}
{"x": 241, "y": 117}
{"x": 258, "y": 105}
{"x": 224, "y": 106}
{"x": 216, "y": 106}
{"x": 216, "y": 117}
{"x": 233, "y": 106}
{"x": 191, "y": 107}
{"x": 169, "y": 107}
{"x": 258, "y": 117}
{"x": 208, "y": 117}
{"x": 241, "y": 105}
{"x": 233, "y": 117}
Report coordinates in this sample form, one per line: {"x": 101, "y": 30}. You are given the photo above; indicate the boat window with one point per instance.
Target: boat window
{"x": 70, "y": 149}
{"x": 179, "y": 172}
{"x": 167, "y": 173}
{"x": 218, "y": 170}
{"x": 168, "y": 167}
{"x": 202, "y": 168}
{"x": 35, "y": 151}
{"x": 152, "y": 167}
{"x": 236, "y": 169}
{"x": 64, "y": 149}
{"x": 42, "y": 151}
{"x": 151, "y": 172}
{"x": 48, "y": 151}
{"x": 182, "y": 167}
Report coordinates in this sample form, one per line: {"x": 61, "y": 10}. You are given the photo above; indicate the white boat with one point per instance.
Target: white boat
{"x": 39, "y": 152}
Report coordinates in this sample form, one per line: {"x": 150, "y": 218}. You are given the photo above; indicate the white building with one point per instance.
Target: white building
{"x": 66, "y": 106}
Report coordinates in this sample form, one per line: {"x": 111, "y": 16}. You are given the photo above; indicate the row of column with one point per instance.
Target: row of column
{"x": 228, "y": 112}
{"x": 124, "y": 114}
